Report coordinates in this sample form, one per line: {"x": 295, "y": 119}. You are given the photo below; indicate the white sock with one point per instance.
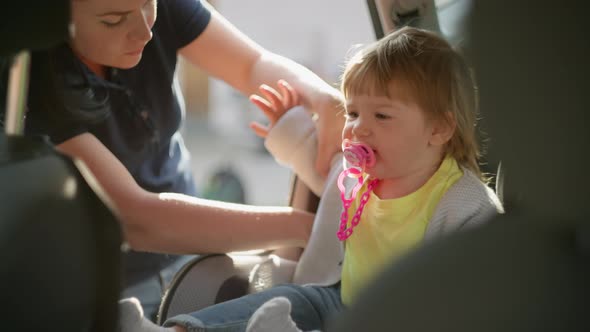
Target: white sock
{"x": 131, "y": 318}
{"x": 274, "y": 315}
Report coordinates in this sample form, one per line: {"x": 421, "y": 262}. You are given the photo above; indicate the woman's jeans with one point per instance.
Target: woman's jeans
{"x": 311, "y": 309}
{"x": 149, "y": 292}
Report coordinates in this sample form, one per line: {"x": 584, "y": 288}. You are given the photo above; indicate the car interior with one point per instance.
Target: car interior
{"x": 212, "y": 279}
{"x": 527, "y": 270}
{"x": 59, "y": 239}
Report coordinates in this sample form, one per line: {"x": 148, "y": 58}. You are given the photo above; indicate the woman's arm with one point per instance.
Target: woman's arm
{"x": 226, "y": 53}
{"x": 177, "y": 223}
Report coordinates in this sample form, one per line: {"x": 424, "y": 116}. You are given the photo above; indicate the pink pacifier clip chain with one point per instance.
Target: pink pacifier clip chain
{"x": 360, "y": 156}
{"x": 343, "y": 232}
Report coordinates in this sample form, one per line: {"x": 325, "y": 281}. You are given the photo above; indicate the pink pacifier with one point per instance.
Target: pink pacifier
{"x": 359, "y": 156}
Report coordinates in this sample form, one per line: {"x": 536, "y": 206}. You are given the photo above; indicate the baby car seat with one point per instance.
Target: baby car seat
{"x": 215, "y": 278}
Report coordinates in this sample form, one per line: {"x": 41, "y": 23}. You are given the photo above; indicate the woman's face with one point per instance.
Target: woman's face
{"x": 112, "y": 32}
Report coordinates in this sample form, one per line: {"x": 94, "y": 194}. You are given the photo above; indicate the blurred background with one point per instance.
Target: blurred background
{"x": 316, "y": 34}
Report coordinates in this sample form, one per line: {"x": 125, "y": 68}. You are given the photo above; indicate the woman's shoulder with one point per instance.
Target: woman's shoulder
{"x": 62, "y": 102}
{"x": 181, "y": 21}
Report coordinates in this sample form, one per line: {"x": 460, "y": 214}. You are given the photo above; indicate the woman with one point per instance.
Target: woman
{"x": 117, "y": 110}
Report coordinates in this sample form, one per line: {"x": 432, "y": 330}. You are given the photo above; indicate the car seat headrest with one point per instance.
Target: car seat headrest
{"x": 532, "y": 78}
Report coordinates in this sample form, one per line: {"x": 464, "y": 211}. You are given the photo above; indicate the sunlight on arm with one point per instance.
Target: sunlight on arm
{"x": 225, "y": 205}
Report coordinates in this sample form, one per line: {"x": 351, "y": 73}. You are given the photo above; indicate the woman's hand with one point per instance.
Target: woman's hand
{"x": 227, "y": 55}
{"x": 274, "y": 105}
{"x": 328, "y": 117}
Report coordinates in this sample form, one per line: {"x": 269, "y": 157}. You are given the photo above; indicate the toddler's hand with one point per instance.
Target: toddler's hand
{"x": 274, "y": 105}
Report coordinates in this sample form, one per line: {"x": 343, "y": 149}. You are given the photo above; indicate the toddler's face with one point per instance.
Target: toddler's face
{"x": 396, "y": 129}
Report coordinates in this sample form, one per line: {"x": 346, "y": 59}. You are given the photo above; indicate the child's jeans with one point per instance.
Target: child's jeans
{"x": 312, "y": 307}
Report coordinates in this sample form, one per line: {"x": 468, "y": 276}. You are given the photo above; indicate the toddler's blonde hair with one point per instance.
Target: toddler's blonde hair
{"x": 434, "y": 75}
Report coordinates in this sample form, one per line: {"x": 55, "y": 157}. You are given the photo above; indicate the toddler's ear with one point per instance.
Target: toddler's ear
{"x": 443, "y": 130}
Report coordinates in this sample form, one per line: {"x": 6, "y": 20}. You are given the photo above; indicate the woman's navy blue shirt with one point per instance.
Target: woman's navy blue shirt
{"x": 136, "y": 113}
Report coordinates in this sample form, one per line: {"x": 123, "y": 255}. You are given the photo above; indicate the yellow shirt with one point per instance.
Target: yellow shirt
{"x": 389, "y": 228}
